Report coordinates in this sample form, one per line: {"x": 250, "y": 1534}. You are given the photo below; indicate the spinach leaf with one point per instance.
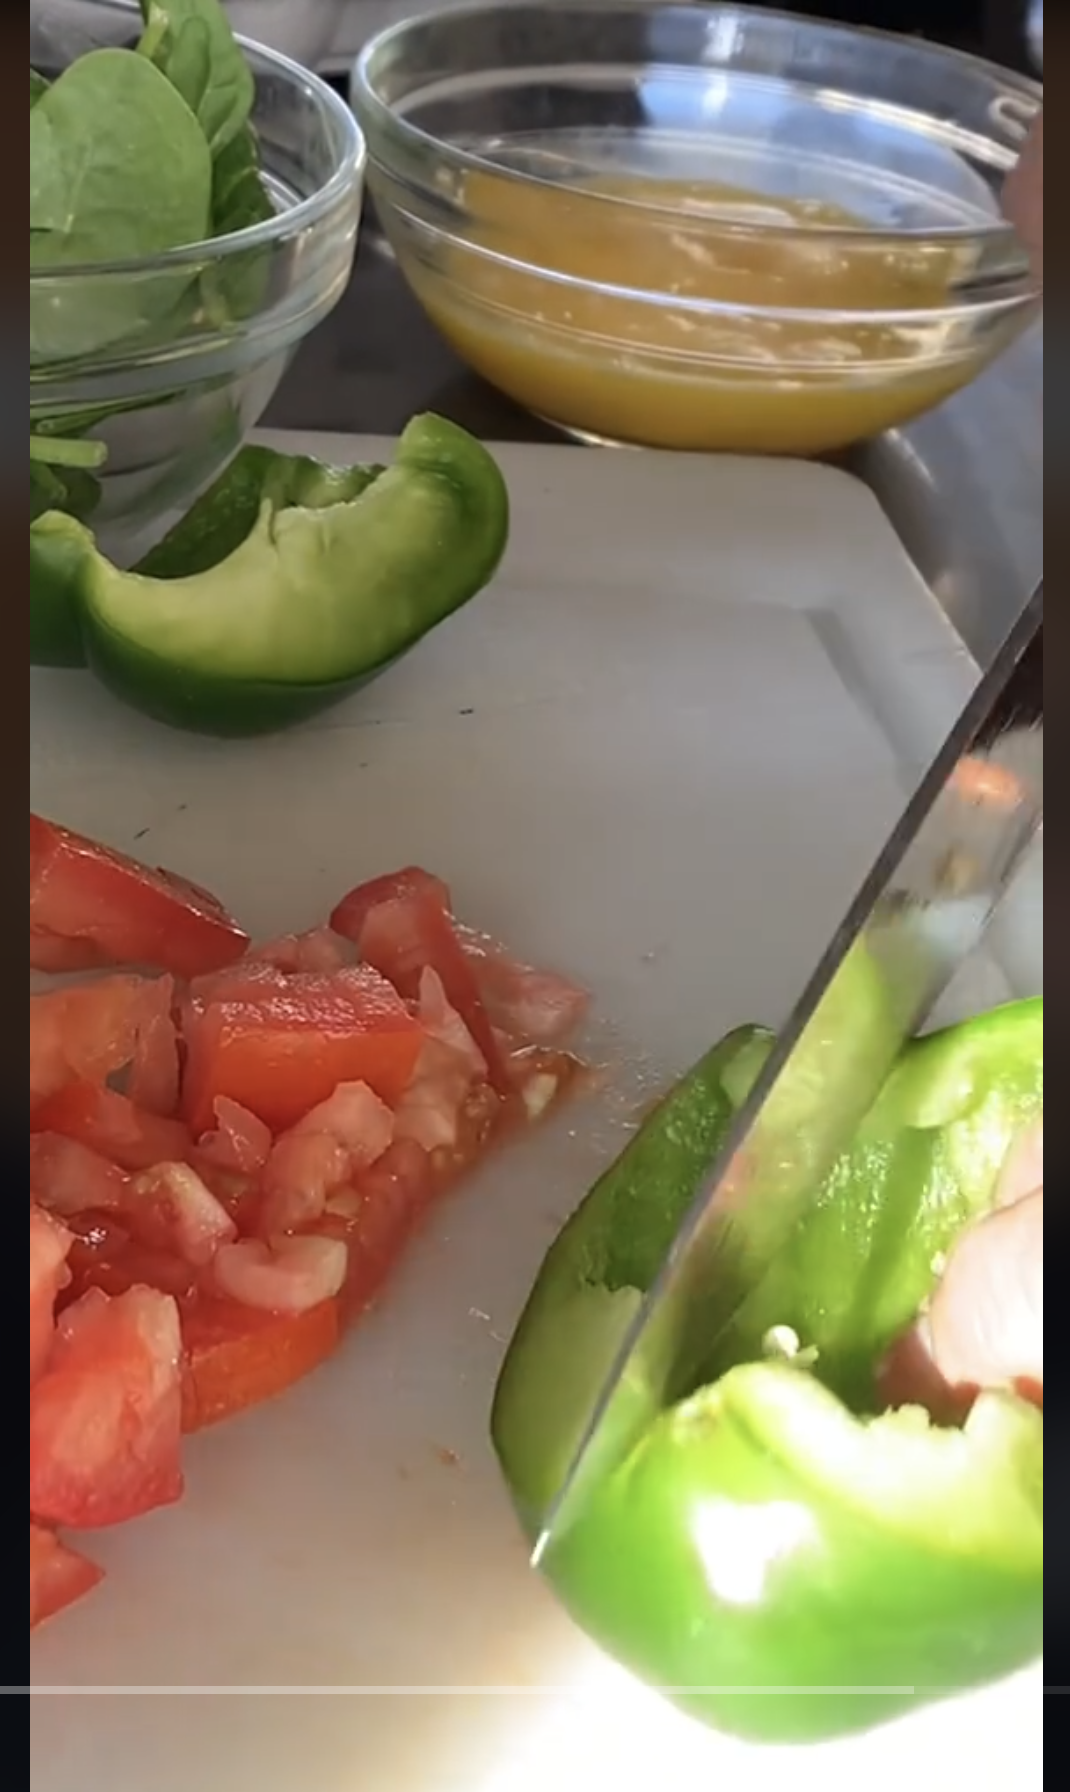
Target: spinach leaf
{"x": 234, "y": 287}
{"x": 119, "y": 169}
{"x": 239, "y": 197}
{"x": 192, "y": 43}
{"x": 38, "y": 87}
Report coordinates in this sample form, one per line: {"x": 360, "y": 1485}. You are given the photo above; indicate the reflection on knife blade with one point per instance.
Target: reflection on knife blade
{"x": 919, "y": 918}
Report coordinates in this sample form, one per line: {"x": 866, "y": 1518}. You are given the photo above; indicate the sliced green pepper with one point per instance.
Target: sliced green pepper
{"x": 60, "y": 550}
{"x": 290, "y": 584}
{"x": 224, "y": 518}
{"x": 781, "y": 1562}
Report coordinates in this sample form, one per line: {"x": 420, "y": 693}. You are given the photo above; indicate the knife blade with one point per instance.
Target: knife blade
{"x": 919, "y": 917}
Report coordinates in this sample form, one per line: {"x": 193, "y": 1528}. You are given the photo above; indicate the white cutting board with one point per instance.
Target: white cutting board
{"x": 660, "y": 754}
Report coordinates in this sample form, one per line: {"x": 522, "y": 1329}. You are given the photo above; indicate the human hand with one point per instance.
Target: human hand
{"x": 985, "y": 1326}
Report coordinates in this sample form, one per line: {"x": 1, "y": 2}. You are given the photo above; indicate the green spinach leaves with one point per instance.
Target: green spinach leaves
{"x": 193, "y": 44}
{"x": 135, "y": 153}
{"x": 102, "y": 185}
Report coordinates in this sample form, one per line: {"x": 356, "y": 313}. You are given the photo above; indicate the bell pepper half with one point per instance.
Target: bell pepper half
{"x": 781, "y": 1556}
{"x": 287, "y": 586}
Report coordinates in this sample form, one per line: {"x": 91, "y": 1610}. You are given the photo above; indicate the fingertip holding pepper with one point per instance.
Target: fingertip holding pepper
{"x": 787, "y": 1553}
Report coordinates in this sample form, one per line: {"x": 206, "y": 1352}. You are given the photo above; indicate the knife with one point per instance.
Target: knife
{"x": 919, "y": 917}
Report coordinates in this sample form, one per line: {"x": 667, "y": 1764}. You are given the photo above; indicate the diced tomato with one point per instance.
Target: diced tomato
{"x": 85, "y": 892}
{"x": 430, "y": 1112}
{"x": 113, "y": 1127}
{"x": 237, "y": 1357}
{"x": 95, "y": 1030}
{"x": 280, "y": 1053}
{"x": 68, "y": 1178}
{"x": 170, "y": 1209}
{"x": 241, "y": 1144}
{"x": 287, "y": 1275}
{"x": 106, "y": 1418}
{"x": 376, "y": 1219}
{"x": 60, "y": 957}
{"x": 248, "y": 981}
{"x": 106, "y": 1257}
{"x": 323, "y": 1153}
{"x": 530, "y": 1007}
{"x": 50, "y": 1245}
{"x": 411, "y": 935}
{"x": 303, "y": 1170}
{"x": 59, "y": 1577}
{"x": 353, "y": 910}
{"x": 319, "y": 953}
{"x": 441, "y": 1022}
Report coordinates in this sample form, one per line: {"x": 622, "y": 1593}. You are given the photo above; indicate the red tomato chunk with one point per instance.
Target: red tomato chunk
{"x": 112, "y": 1126}
{"x": 50, "y": 1246}
{"x": 237, "y": 1357}
{"x": 279, "y": 1052}
{"x": 228, "y": 1159}
{"x": 93, "y": 1032}
{"x": 58, "y": 1576}
{"x": 125, "y": 913}
{"x": 106, "y": 1417}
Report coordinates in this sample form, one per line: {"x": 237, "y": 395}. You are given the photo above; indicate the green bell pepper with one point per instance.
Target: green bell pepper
{"x": 775, "y": 1553}
{"x": 288, "y": 585}
{"x": 59, "y": 550}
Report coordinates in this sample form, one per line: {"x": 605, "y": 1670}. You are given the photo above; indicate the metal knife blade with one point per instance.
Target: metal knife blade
{"x": 919, "y": 917}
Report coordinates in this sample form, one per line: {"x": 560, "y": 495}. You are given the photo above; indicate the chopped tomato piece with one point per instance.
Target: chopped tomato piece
{"x": 68, "y": 1178}
{"x": 353, "y": 910}
{"x": 441, "y": 1022}
{"x": 377, "y": 1217}
{"x": 170, "y": 1209}
{"x": 113, "y": 1127}
{"x": 530, "y": 1007}
{"x": 58, "y": 1576}
{"x": 60, "y": 957}
{"x": 431, "y": 1110}
{"x": 106, "y": 1418}
{"x": 250, "y": 980}
{"x": 240, "y": 1144}
{"x": 288, "y": 1275}
{"x": 92, "y": 1032}
{"x": 237, "y": 1357}
{"x": 319, "y": 953}
{"x": 337, "y": 1140}
{"x": 104, "y": 1256}
{"x": 50, "y": 1245}
{"x": 84, "y": 892}
{"x": 411, "y": 935}
{"x": 356, "y": 1117}
{"x": 280, "y": 1052}
{"x": 303, "y": 1170}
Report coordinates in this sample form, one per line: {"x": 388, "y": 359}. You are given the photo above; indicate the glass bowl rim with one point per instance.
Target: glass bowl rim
{"x": 366, "y": 100}
{"x": 302, "y": 216}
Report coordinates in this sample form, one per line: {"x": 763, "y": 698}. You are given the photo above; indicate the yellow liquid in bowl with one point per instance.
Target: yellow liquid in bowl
{"x": 672, "y": 371}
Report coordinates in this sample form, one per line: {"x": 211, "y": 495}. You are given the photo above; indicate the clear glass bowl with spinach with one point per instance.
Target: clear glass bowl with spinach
{"x": 194, "y": 211}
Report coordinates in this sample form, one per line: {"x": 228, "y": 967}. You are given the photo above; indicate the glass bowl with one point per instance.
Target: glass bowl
{"x": 699, "y": 226}
{"x": 170, "y": 363}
